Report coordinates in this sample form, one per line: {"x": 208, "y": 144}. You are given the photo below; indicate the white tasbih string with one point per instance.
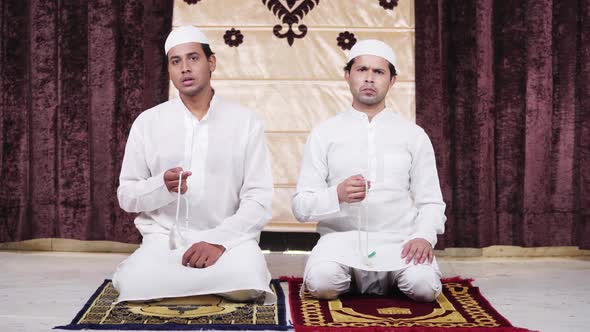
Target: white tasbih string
{"x": 175, "y": 232}
{"x": 364, "y": 214}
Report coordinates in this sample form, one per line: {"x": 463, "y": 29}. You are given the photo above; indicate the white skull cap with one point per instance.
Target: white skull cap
{"x": 184, "y": 34}
{"x": 372, "y": 47}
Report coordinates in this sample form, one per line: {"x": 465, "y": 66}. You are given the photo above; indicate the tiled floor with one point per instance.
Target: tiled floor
{"x": 39, "y": 290}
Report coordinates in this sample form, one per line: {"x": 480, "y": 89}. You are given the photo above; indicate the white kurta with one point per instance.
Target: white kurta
{"x": 229, "y": 199}
{"x": 404, "y": 201}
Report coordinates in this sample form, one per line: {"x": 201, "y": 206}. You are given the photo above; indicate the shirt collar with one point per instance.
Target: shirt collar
{"x": 363, "y": 116}
{"x": 187, "y": 112}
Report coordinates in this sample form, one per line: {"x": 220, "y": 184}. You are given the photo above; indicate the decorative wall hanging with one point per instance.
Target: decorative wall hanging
{"x": 233, "y": 37}
{"x": 290, "y": 16}
{"x": 388, "y": 4}
{"x": 346, "y": 40}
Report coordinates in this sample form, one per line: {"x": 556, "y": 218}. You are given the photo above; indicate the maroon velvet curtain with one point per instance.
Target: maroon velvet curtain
{"x": 503, "y": 90}
{"x": 74, "y": 75}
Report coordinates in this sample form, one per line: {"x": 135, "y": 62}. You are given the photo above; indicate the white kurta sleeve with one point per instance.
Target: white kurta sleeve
{"x": 425, "y": 187}
{"x": 255, "y": 196}
{"x": 140, "y": 190}
{"x": 314, "y": 200}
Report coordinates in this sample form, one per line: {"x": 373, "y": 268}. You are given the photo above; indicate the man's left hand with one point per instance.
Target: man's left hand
{"x": 419, "y": 250}
{"x": 202, "y": 254}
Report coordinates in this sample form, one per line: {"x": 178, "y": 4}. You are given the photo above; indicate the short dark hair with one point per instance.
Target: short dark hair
{"x": 207, "y": 50}
{"x": 392, "y": 72}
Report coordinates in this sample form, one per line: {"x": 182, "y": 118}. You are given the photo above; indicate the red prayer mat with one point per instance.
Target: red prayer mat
{"x": 460, "y": 307}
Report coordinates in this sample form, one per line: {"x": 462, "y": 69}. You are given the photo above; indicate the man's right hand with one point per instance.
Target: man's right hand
{"x": 171, "y": 179}
{"x": 352, "y": 190}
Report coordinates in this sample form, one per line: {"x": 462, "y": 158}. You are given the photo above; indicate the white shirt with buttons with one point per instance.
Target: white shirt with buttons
{"x": 404, "y": 201}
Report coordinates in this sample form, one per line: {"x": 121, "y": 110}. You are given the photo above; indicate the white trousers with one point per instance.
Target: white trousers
{"x": 329, "y": 279}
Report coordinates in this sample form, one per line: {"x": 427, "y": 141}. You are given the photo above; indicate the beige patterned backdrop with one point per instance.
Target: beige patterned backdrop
{"x": 293, "y": 84}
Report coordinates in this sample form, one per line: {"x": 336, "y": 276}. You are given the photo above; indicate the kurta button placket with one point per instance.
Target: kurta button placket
{"x": 372, "y": 153}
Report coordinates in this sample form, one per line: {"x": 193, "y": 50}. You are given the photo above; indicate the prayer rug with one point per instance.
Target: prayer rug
{"x": 460, "y": 307}
{"x": 205, "y": 312}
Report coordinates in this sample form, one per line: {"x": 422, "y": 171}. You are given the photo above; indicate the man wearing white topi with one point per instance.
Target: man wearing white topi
{"x": 196, "y": 169}
{"x": 369, "y": 177}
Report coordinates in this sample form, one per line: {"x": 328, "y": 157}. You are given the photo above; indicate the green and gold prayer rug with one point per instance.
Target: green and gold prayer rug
{"x": 206, "y": 312}
{"x": 460, "y": 307}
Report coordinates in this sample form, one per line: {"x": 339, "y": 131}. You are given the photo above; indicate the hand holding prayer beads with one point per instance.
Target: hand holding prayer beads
{"x": 353, "y": 190}
{"x": 202, "y": 254}
{"x": 419, "y": 250}
{"x": 165, "y": 144}
{"x": 171, "y": 179}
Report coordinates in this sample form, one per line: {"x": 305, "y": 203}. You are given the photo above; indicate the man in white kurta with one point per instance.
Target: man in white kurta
{"x": 369, "y": 177}
{"x": 205, "y": 240}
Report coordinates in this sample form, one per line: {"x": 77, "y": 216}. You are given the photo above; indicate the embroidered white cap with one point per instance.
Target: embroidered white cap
{"x": 372, "y": 47}
{"x": 184, "y": 34}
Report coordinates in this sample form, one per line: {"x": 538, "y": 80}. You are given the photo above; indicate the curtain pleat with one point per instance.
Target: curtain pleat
{"x": 75, "y": 74}
{"x": 502, "y": 89}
